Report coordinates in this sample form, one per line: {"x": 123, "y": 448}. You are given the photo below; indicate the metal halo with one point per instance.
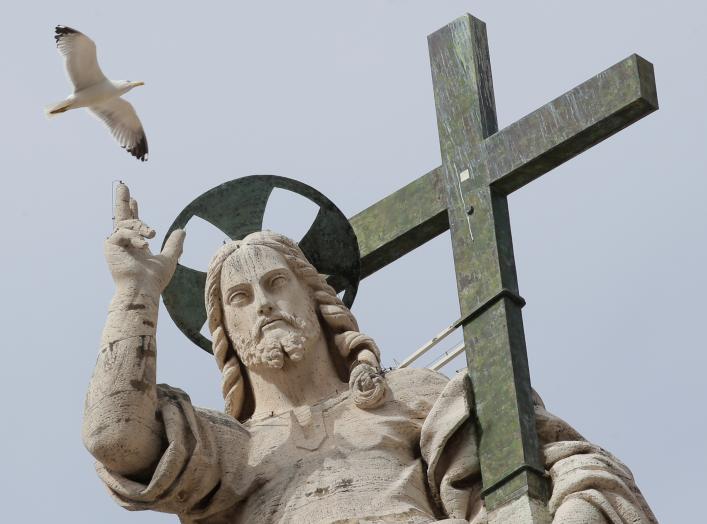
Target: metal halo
{"x": 237, "y": 209}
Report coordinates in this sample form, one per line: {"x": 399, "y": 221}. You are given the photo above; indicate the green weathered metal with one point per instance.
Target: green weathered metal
{"x": 483, "y": 259}
{"x": 237, "y": 208}
{"x": 480, "y": 168}
{"x": 510, "y": 158}
{"x": 567, "y": 126}
{"x": 392, "y": 227}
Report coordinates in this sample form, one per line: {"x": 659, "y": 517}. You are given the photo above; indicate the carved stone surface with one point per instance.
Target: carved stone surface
{"x": 313, "y": 430}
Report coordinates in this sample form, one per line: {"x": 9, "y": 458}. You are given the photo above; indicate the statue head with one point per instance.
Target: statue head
{"x": 267, "y": 304}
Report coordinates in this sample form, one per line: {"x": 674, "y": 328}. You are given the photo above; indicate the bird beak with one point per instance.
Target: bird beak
{"x": 137, "y": 84}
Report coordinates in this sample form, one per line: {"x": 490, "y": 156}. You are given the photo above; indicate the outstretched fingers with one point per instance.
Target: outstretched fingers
{"x": 174, "y": 245}
{"x": 133, "y": 208}
{"x": 127, "y": 215}
{"x": 130, "y": 231}
{"x": 123, "y": 209}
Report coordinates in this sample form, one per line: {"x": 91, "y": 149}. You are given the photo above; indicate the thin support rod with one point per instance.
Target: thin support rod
{"x": 430, "y": 344}
{"x": 448, "y": 357}
{"x": 504, "y": 293}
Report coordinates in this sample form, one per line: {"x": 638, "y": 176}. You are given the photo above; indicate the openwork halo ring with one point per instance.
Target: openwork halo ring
{"x": 237, "y": 208}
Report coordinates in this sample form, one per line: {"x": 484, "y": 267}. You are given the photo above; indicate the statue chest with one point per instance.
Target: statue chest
{"x": 334, "y": 461}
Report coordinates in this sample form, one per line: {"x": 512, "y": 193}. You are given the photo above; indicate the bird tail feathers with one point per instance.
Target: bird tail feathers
{"x": 58, "y": 108}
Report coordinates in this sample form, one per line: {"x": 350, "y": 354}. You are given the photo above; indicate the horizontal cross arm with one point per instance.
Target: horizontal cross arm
{"x": 570, "y": 124}
{"x": 512, "y": 157}
{"x": 400, "y": 222}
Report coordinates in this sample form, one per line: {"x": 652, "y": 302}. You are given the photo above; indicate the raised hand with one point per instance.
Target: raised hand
{"x": 120, "y": 428}
{"x": 134, "y": 268}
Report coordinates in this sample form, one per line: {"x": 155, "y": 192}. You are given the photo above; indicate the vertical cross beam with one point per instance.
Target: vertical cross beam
{"x": 485, "y": 271}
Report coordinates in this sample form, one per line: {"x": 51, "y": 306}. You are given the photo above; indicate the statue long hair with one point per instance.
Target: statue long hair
{"x": 357, "y": 358}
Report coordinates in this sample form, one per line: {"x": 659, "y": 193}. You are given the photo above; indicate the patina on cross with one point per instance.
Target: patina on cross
{"x": 467, "y": 194}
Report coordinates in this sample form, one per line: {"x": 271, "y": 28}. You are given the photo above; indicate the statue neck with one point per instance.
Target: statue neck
{"x": 296, "y": 384}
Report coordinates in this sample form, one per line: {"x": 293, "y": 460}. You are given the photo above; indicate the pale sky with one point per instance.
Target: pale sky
{"x": 610, "y": 247}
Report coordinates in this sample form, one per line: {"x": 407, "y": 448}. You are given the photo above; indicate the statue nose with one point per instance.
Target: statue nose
{"x": 265, "y": 309}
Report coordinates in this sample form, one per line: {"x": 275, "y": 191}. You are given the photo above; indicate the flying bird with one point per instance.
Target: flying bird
{"x": 101, "y": 96}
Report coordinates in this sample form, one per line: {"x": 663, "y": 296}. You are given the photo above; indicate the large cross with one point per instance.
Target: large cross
{"x": 467, "y": 194}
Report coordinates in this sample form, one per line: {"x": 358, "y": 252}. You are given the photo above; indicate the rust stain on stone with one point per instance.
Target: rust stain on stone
{"x": 318, "y": 492}
{"x": 100, "y": 429}
{"x": 133, "y": 307}
{"x": 140, "y": 385}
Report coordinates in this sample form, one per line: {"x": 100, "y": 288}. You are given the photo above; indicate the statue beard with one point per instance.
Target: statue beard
{"x": 269, "y": 348}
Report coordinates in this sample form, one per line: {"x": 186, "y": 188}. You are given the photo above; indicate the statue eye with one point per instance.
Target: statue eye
{"x": 238, "y": 297}
{"x": 278, "y": 281}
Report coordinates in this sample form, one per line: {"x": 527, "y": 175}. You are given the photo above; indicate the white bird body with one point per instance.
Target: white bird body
{"x": 101, "y": 96}
{"x": 95, "y": 94}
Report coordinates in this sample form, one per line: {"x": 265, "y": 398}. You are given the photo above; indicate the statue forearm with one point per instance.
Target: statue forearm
{"x": 131, "y": 314}
{"x": 120, "y": 427}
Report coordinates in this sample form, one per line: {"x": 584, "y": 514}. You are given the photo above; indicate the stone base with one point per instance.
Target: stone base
{"x": 524, "y": 510}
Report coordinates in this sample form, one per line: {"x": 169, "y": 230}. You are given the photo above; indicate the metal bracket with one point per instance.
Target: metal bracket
{"x": 478, "y": 310}
{"x": 523, "y": 467}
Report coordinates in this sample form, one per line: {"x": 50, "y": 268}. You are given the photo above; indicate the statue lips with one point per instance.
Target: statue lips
{"x": 270, "y": 321}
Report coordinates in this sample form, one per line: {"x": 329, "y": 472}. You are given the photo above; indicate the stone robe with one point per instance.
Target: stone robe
{"x": 411, "y": 460}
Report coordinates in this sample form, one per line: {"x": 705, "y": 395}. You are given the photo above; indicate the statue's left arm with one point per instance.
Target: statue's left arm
{"x": 588, "y": 484}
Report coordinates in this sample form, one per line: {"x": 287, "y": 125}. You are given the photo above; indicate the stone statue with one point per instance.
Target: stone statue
{"x": 313, "y": 430}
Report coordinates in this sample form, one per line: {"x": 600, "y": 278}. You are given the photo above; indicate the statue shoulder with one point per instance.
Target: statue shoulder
{"x": 220, "y": 420}
{"x": 416, "y": 388}
{"x": 216, "y": 420}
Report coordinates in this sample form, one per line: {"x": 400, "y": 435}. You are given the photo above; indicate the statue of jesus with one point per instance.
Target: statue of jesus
{"x": 313, "y": 430}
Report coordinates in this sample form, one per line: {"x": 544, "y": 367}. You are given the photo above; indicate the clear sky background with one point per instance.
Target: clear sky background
{"x": 610, "y": 247}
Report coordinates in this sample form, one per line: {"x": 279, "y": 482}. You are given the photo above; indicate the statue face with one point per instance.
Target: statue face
{"x": 269, "y": 313}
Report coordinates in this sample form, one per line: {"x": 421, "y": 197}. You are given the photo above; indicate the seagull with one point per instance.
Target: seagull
{"x": 101, "y": 96}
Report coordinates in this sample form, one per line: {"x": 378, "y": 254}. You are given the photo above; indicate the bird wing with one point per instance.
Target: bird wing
{"x": 80, "y": 54}
{"x": 121, "y": 118}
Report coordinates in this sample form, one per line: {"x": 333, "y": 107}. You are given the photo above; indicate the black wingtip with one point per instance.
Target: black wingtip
{"x": 139, "y": 150}
{"x": 62, "y": 30}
